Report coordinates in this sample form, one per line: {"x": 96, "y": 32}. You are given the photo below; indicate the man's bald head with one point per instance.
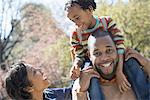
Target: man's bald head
{"x": 96, "y": 34}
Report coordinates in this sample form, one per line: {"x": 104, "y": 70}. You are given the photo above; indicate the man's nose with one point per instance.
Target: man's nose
{"x": 104, "y": 57}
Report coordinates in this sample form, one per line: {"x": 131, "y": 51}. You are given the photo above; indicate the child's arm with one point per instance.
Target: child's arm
{"x": 78, "y": 55}
{"x": 145, "y": 62}
{"x": 118, "y": 39}
{"x": 122, "y": 81}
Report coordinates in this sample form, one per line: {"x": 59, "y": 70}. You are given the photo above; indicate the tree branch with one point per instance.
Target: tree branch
{"x": 11, "y": 48}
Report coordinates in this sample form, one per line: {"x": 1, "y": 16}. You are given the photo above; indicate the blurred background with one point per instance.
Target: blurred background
{"x": 37, "y": 32}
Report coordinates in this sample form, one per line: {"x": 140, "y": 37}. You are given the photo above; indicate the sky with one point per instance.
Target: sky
{"x": 57, "y": 9}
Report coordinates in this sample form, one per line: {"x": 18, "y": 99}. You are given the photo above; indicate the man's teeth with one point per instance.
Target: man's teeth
{"x": 106, "y": 65}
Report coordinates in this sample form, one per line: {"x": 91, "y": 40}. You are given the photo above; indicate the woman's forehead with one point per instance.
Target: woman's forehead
{"x": 30, "y": 69}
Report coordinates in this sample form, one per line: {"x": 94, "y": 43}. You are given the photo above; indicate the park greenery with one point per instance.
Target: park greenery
{"x": 132, "y": 17}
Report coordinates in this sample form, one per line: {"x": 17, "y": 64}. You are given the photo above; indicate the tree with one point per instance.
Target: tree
{"x": 10, "y": 31}
{"x": 134, "y": 20}
{"x": 43, "y": 44}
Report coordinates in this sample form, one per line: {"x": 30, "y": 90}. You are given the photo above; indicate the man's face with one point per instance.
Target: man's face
{"x": 82, "y": 18}
{"x": 103, "y": 55}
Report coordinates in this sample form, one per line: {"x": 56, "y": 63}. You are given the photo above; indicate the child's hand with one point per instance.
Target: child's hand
{"x": 122, "y": 82}
{"x": 75, "y": 72}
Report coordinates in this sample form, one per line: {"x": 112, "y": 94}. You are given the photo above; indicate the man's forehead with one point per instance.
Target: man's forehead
{"x": 103, "y": 41}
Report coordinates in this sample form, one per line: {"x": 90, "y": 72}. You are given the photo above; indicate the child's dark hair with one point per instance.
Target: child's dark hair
{"x": 84, "y": 4}
{"x": 17, "y": 81}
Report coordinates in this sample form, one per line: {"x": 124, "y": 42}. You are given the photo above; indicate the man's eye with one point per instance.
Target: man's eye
{"x": 109, "y": 51}
{"x": 97, "y": 54}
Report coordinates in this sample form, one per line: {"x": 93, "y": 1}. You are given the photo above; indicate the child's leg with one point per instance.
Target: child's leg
{"x": 137, "y": 78}
{"x": 95, "y": 91}
{"x": 57, "y": 93}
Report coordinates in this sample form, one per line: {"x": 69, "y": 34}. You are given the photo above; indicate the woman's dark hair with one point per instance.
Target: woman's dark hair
{"x": 17, "y": 82}
{"x": 84, "y": 4}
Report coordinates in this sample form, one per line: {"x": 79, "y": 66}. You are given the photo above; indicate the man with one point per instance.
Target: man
{"x": 103, "y": 55}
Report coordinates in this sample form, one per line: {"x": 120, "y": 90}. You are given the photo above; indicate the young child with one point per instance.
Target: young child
{"x": 81, "y": 13}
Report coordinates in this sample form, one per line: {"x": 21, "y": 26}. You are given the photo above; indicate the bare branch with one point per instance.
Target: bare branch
{"x": 9, "y": 2}
{"x": 1, "y": 20}
{"x": 14, "y": 24}
{"x": 8, "y": 38}
{"x": 18, "y": 9}
{"x": 11, "y": 48}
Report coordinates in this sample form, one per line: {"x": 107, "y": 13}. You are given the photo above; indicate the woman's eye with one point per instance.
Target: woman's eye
{"x": 77, "y": 18}
{"x": 97, "y": 54}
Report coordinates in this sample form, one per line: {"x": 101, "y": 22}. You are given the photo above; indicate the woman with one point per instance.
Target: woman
{"x": 25, "y": 82}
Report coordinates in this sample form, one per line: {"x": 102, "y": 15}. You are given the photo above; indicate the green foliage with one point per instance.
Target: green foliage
{"x": 60, "y": 51}
{"x": 134, "y": 20}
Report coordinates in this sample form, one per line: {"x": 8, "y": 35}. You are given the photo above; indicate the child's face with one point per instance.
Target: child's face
{"x": 104, "y": 55}
{"x": 82, "y": 18}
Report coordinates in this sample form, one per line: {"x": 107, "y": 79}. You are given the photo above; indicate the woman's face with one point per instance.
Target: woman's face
{"x": 37, "y": 78}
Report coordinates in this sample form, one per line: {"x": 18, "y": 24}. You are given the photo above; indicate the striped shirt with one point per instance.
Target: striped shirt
{"x": 79, "y": 41}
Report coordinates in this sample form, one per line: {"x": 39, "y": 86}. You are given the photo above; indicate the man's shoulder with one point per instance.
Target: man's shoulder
{"x": 132, "y": 61}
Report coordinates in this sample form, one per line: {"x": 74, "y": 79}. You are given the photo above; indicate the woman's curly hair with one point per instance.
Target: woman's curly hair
{"x": 17, "y": 81}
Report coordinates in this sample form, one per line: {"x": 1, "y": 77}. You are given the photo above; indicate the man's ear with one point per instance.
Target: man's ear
{"x": 29, "y": 89}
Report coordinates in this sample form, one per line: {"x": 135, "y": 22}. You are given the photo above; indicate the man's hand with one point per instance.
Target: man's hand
{"x": 122, "y": 82}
